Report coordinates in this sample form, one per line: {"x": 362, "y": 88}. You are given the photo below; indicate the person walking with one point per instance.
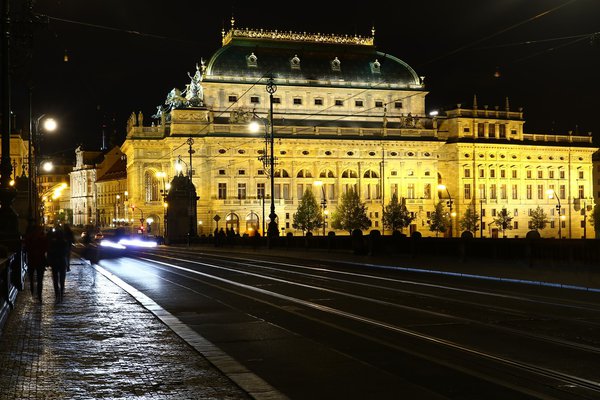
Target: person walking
{"x": 36, "y": 245}
{"x": 70, "y": 238}
{"x": 57, "y": 259}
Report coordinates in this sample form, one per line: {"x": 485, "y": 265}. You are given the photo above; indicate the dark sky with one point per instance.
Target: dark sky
{"x": 547, "y": 62}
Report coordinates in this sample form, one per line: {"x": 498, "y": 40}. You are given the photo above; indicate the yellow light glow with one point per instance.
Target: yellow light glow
{"x": 165, "y": 204}
{"x": 12, "y": 182}
{"x": 168, "y": 186}
{"x": 254, "y": 126}
{"x": 50, "y": 124}
{"x": 441, "y": 187}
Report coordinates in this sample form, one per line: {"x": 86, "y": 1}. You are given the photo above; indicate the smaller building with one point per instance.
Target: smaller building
{"x": 112, "y": 203}
{"x": 83, "y": 194}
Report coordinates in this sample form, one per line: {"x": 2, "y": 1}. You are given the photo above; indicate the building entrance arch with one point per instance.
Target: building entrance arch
{"x": 232, "y": 221}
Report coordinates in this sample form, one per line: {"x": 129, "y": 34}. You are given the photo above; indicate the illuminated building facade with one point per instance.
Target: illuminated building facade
{"x": 348, "y": 116}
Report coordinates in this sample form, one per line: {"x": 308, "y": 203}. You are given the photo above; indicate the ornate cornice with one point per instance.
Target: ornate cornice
{"x": 246, "y": 33}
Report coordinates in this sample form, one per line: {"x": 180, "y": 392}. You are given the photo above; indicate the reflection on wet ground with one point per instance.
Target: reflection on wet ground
{"x": 99, "y": 343}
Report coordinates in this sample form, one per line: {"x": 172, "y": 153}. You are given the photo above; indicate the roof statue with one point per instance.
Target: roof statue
{"x": 174, "y": 99}
{"x": 194, "y": 94}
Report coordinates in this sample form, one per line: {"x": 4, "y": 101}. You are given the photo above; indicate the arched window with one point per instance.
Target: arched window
{"x": 252, "y": 223}
{"x": 327, "y": 173}
{"x": 349, "y": 174}
{"x": 370, "y": 174}
{"x": 232, "y": 221}
{"x": 150, "y": 186}
{"x": 281, "y": 173}
{"x": 304, "y": 173}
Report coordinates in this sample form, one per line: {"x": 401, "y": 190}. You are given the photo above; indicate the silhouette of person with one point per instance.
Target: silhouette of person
{"x": 70, "y": 238}
{"x": 36, "y": 246}
{"x": 57, "y": 259}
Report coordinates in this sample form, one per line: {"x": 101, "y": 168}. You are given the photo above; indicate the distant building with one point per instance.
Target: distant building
{"x": 83, "y": 187}
{"x": 349, "y": 116}
{"x": 111, "y": 190}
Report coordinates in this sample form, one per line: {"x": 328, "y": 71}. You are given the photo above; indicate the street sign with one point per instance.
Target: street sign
{"x": 217, "y": 218}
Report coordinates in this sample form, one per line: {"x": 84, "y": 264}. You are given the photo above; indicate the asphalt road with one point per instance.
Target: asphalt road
{"x": 323, "y": 330}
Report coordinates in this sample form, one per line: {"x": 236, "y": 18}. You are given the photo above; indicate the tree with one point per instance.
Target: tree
{"x": 308, "y": 215}
{"x": 396, "y": 215}
{"x": 350, "y": 213}
{"x": 503, "y": 221}
{"x": 439, "y": 219}
{"x": 538, "y": 219}
{"x": 470, "y": 220}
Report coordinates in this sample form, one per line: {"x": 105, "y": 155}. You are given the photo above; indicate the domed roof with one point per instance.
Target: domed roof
{"x": 341, "y": 60}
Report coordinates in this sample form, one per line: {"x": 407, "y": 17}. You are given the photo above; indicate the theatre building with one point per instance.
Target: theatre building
{"x": 345, "y": 115}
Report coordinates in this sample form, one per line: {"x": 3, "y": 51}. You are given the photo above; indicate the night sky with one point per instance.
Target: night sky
{"x": 543, "y": 50}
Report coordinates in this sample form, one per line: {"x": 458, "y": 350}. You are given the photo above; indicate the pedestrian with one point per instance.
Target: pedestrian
{"x": 36, "y": 246}
{"x": 70, "y": 238}
{"x": 57, "y": 259}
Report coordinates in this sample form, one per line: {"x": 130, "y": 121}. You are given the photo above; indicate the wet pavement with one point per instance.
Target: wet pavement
{"x": 100, "y": 343}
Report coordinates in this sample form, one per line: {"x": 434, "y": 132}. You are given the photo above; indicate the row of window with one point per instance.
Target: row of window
{"x": 317, "y": 101}
{"x": 501, "y": 191}
{"x": 528, "y": 174}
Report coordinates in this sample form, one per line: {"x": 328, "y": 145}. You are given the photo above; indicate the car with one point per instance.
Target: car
{"x": 99, "y": 236}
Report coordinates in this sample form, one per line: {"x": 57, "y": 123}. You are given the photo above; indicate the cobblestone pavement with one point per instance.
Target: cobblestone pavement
{"x": 99, "y": 343}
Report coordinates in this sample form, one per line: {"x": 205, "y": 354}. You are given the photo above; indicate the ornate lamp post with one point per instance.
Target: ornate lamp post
{"x": 273, "y": 229}
{"x": 449, "y": 204}
{"x": 551, "y": 193}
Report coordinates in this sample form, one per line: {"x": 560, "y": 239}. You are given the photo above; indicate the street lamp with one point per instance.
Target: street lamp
{"x": 273, "y": 229}
{"x": 48, "y": 125}
{"x": 449, "y": 204}
{"x": 323, "y": 204}
{"x": 551, "y": 193}
{"x": 164, "y": 192}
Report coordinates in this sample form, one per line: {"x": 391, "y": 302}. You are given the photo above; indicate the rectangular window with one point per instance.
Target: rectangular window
{"x": 502, "y": 173}
{"x": 394, "y": 189}
{"x": 528, "y": 174}
{"x": 493, "y": 191}
{"x": 466, "y": 130}
{"x": 492, "y": 173}
{"x": 241, "y": 191}
{"x": 398, "y": 104}
{"x": 467, "y": 173}
{"x": 514, "y": 174}
{"x": 562, "y": 192}
{"x": 492, "y": 130}
{"x": 581, "y": 192}
{"x": 379, "y": 104}
{"x": 483, "y": 226}
{"x": 516, "y": 213}
{"x": 561, "y": 174}
{"x": 550, "y": 174}
{"x": 254, "y": 99}
{"x": 552, "y": 224}
{"x": 516, "y": 224}
{"x": 410, "y": 192}
{"x": 232, "y": 99}
{"x": 260, "y": 190}
{"x": 300, "y": 191}
{"x": 515, "y": 192}
{"x": 480, "y": 130}
{"x": 339, "y": 103}
{"x": 467, "y": 191}
{"x": 241, "y": 172}
{"x": 540, "y": 190}
{"x": 297, "y": 101}
{"x": 483, "y": 212}
{"x": 503, "y": 194}
{"x": 482, "y": 191}
{"x": 221, "y": 172}
{"x": 580, "y": 174}
{"x": 529, "y": 194}
{"x": 563, "y": 224}
{"x": 427, "y": 191}
{"x": 260, "y": 172}
{"x": 277, "y": 194}
{"x": 493, "y": 212}
{"x": 318, "y": 102}
{"x": 358, "y": 103}
{"x": 222, "y": 191}
{"x": 540, "y": 174}
{"x": 286, "y": 191}
{"x": 481, "y": 173}
{"x": 502, "y": 130}
{"x": 276, "y": 100}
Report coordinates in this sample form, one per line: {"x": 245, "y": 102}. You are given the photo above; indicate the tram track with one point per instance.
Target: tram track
{"x": 261, "y": 294}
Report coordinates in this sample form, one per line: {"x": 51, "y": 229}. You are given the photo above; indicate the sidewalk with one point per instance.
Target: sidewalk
{"x": 99, "y": 343}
